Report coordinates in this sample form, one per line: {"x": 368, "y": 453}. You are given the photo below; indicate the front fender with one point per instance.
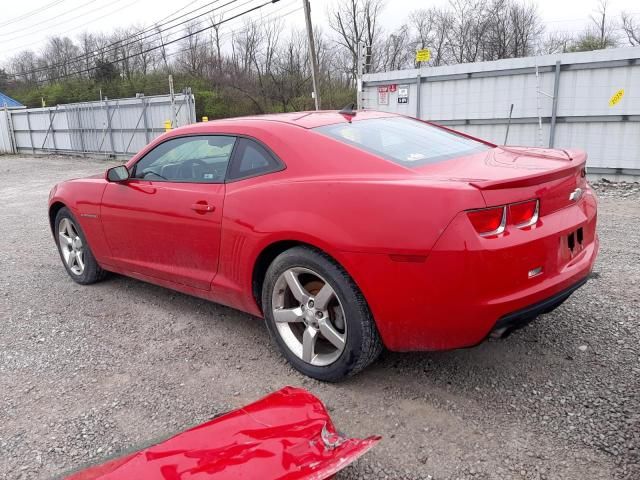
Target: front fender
{"x": 83, "y": 198}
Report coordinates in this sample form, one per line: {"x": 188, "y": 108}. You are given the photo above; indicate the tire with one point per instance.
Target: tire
{"x": 330, "y": 337}
{"x": 67, "y": 229}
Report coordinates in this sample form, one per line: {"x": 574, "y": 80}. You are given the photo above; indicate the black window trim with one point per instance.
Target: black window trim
{"x": 177, "y": 137}
{"x": 280, "y": 165}
{"x": 232, "y": 156}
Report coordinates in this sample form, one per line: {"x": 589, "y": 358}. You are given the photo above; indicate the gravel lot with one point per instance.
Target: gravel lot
{"x": 88, "y": 372}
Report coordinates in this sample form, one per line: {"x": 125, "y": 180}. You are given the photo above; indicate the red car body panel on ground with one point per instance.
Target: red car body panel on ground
{"x": 403, "y": 234}
{"x": 285, "y": 435}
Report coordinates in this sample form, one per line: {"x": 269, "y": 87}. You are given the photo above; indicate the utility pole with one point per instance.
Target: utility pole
{"x": 312, "y": 53}
{"x": 174, "y": 120}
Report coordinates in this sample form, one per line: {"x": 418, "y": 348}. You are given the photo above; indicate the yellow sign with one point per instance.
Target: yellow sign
{"x": 205, "y": 119}
{"x": 423, "y": 55}
{"x": 616, "y": 97}
{"x": 167, "y": 125}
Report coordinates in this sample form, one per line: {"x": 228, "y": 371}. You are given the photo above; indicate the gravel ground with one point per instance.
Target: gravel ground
{"x": 89, "y": 372}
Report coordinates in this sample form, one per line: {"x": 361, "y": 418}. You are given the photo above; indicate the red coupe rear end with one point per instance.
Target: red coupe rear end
{"x": 497, "y": 266}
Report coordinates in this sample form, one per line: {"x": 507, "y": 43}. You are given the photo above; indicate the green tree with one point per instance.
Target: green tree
{"x": 588, "y": 42}
{"x": 105, "y": 72}
{"x": 4, "y": 80}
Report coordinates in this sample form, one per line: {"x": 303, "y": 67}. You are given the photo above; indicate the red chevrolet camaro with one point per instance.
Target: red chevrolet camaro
{"x": 347, "y": 231}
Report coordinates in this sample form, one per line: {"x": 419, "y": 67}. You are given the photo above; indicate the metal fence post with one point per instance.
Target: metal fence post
{"x": 146, "y": 121}
{"x": 109, "y": 128}
{"x": 33, "y": 150}
{"x": 12, "y": 137}
{"x": 418, "y": 84}
{"x": 121, "y": 126}
{"x": 79, "y": 112}
{"x": 554, "y": 108}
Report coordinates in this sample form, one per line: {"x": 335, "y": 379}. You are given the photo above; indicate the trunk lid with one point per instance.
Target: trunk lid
{"x": 512, "y": 174}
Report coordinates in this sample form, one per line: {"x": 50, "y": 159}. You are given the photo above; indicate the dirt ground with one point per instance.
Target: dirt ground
{"x": 87, "y": 372}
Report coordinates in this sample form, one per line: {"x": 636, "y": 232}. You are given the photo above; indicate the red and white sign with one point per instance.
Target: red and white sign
{"x": 393, "y": 87}
{"x": 383, "y": 95}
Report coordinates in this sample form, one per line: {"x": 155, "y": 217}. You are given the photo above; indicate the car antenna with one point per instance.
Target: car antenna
{"x": 348, "y": 111}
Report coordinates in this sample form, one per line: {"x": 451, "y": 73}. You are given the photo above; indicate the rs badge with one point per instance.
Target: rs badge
{"x": 575, "y": 195}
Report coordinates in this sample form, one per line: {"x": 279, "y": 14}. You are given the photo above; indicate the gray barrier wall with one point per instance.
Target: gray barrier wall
{"x": 570, "y": 96}
{"x": 117, "y": 128}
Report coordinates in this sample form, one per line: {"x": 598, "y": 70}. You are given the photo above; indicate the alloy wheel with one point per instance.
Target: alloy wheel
{"x": 71, "y": 246}
{"x": 309, "y": 316}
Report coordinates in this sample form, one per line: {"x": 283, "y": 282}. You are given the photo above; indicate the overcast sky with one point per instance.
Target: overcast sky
{"x": 26, "y": 24}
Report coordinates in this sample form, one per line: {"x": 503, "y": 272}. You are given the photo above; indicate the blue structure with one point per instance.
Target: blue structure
{"x": 9, "y": 102}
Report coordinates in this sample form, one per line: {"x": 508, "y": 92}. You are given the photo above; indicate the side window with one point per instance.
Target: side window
{"x": 252, "y": 159}
{"x": 200, "y": 159}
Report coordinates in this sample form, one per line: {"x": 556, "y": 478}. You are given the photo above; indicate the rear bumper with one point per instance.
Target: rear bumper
{"x": 521, "y": 318}
{"x": 456, "y": 294}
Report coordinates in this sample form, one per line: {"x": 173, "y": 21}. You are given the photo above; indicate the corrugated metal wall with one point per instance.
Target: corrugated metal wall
{"x": 476, "y": 98}
{"x": 5, "y": 135}
{"x": 113, "y": 127}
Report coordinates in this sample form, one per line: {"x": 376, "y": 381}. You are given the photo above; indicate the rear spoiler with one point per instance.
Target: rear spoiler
{"x": 575, "y": 160}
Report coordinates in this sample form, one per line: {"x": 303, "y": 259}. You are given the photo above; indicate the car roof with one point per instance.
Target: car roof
{"x": 311, "y": 119}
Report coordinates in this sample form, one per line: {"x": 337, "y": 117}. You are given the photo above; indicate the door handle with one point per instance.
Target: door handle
{"x": 202, "y": 207}
{"x": 142, "y": 188}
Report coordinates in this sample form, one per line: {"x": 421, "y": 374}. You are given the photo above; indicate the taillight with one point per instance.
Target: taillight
{"x": 523, "y": 214}
{"x": 492, "y": 221}
{"x": 489, "y": 221}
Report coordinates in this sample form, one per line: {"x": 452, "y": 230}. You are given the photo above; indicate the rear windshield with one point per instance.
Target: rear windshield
{"x": 404, "y": 141}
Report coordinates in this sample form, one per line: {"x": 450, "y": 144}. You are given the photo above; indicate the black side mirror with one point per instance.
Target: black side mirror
{"x": 118, "y": 174}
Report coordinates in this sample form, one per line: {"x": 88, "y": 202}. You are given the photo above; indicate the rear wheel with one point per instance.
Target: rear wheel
{"x": 318, "y": 316}
{"x": 74, "y": 250}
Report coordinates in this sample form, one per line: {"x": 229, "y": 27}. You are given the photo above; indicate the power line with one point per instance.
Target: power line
{"x": 26, "y": 46}
{"x": 213, "y": 25}
{"x": 233, "y": 32}
{"x": 223, "y": 36}
{"x": 134, "y": 37}
{"x": 32, "y": 12}
{"x": 50, "y": 19}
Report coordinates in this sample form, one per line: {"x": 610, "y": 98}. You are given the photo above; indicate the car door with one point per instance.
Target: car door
{"x": 165, "y": 221}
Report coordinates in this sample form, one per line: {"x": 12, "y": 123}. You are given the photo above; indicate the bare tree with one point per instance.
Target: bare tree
{"x": 290, "y": 73}
{"x": 216, "y": 40}
{"x": 604, "y": 26}
{"x": 631, "y": 28}
{"x": 146, "y": 56}
{"x": 468, "y": 23}
{"x": 555, "y": 42}
{"x": 356, "y": 21}
{"x": 24, "y": 66}
{"x": 61, "y": 57}
{"x": 394, "y": 54}
{"x": 428, "y": 29}
{"x": 526, "y": 28}
{"x": 192, "y": 55}
{"x": 163, "y": 50}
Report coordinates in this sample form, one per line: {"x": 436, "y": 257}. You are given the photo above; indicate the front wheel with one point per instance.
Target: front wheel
{"x": 318, "y": 316}
{"x": 74, "y": 250}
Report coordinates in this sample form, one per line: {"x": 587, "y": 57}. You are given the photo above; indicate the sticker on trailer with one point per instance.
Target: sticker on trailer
{"x": 616, "y": 97}
{"x": 403, "y": 94}
{"x": 383, "y": 95}
{"x": 393, "y": 87}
